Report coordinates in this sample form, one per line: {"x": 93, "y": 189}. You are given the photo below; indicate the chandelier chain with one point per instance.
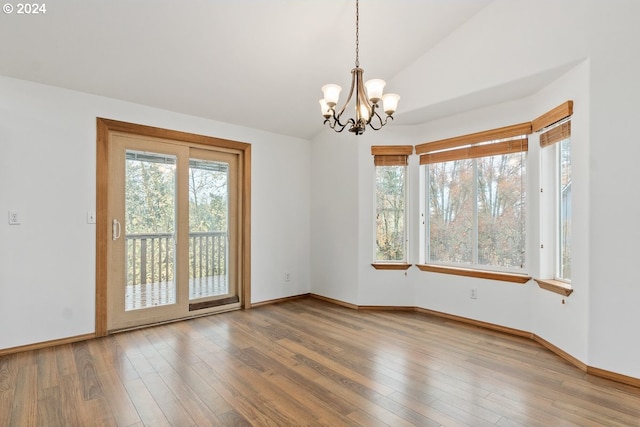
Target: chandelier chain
{"x": 357, "y": 35}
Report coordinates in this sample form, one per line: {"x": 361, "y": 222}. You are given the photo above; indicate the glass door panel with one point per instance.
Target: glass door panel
{"x": 208, "y": 228}
{"x": 150, "y": 229}
{"x": 146, "y": 271}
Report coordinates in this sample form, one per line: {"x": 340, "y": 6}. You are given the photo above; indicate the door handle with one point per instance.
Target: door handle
{"x": 116, "y": 229}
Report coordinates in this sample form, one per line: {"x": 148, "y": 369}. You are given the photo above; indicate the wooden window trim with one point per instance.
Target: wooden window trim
{"x": 556, "y": 286}
{"x": 393, "y": 150}
{"x": 481, "y": 274}
{"x": 391, "y": 155}
{"x": 475, "y": 138}
{"x": 390, "y": 266}
{"x": 562, "y": 111}
{"x": 556, "y": 134}
{"x": 477, "y": 151}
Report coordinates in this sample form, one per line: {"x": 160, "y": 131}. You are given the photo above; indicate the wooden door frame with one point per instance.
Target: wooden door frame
{"x": 104, "y": 127}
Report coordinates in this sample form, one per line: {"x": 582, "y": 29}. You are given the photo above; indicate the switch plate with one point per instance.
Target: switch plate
{"x": 474, "y": 293}
{"x": 91, "y": 217}
{"x": 287, "y": 276}
{"x": 14, "y": 218}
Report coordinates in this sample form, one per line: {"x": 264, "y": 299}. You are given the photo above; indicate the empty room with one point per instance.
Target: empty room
{"x": 319, "y": 213}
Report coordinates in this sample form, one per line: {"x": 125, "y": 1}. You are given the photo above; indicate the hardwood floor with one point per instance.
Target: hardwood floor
{"x": 308, "y": 362}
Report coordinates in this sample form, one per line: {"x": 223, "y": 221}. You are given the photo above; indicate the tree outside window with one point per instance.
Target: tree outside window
{"x": 476, "y": 211}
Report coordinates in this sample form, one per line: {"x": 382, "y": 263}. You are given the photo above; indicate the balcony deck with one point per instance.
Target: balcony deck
{"x": 162, "y": 293}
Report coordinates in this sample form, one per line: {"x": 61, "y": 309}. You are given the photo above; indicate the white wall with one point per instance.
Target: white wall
{"x": 614, "y": 205}
{"x": 334, "y": 216}
{"x": 589, "y": 49}
{"x": 47, "y": 174}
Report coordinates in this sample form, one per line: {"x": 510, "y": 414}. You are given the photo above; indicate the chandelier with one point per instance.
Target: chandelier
{"x": 367, "y": 97}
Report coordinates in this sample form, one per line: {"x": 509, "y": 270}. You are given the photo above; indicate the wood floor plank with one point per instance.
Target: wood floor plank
{"x": 116, "y": 396}
{"x": 295, "y": 379}
{"x": 50, "y": 406}
{"x": 201, "y": 414}
{"x": 24, "y": 410}
{"x": 65, "y": 360}
{"x": 233, "y": 418}
{"x": 238, "y": 392}
{"x": 72, "y": 410}
{"x": 7, "y": 372}
{"x": 540, "y": 413}
{"x": 376, "y": 404}
{"x": 424, "y": 407}
{"x": 91, "y": 387}
{"x": 8, "y": 378}
{"x": 167, "y": 401}
{"x": 147, "y": 407}
{"x": 110, "y": 356}
{"x": 265, "y": 395}
{"x": 368, "y": 405}
{"x": 346, "y": 372}
{"x": 47, "y": 368}
{"x": 308, "y": 362}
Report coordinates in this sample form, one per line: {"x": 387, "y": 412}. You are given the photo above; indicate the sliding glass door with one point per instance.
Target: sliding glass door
{"x": 173, "y": 249}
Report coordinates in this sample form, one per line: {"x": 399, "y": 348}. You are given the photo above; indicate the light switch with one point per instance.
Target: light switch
{"x": 14, "y": 218}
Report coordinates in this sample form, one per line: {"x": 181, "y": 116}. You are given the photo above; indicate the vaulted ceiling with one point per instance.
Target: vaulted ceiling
{"x": 256, "y": 63}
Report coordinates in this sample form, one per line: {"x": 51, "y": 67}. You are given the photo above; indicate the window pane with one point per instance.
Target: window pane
{"x": 565, "y": 210}
{"x": 208, "y": 228}
{"x": 150, "y": 216}
{"x": 501, "y": 210}
{"x": 451, "y": 201}
{"x": 390, "y": 213}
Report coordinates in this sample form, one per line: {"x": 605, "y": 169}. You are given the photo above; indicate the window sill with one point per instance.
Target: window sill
{"x": 390, "y": 266}
{"x": 556, "y": 286}
{"x": 482, "y": 274}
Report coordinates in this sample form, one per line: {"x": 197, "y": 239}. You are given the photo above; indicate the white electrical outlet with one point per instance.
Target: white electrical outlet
{"x": 287, "y": 276}
{"x": 474, "y": 293}
{"x": 14, "y": 218}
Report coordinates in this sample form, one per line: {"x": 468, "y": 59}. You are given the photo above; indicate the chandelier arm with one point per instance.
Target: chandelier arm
{"x": 382, "y": 123}
{"x": 336, "y": 120}
{"x": 371, "y": 122}
{"x": 362, "y": 97}
{"x": 337, "y": 128}
{"x": 335, "y": 123}
{"x": 353, "y": 81}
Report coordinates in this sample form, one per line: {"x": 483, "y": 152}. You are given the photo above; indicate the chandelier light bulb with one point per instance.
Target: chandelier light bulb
{"x": 364, "y": 113}
{"x": 390, "y": 103}
{"x": 331, "y": 94}
{"x": 374, "y": 89}
{"x": 324, "y": 107}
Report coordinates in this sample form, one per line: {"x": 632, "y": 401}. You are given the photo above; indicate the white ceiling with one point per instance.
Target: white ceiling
{"x": 256, "y": 63}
